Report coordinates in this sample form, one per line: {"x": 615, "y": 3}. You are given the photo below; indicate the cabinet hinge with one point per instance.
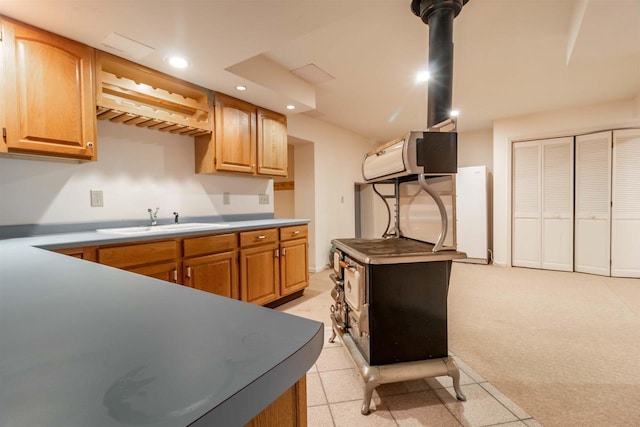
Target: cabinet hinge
{"x": 4, "y": 133}
{"x": 215, "y": 161}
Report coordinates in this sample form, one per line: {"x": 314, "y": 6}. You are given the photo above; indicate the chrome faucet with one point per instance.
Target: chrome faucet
{"x": 153, "y": 215}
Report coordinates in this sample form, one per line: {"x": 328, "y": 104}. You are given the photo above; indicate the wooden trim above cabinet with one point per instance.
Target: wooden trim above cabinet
{"x": 284, "y": 185}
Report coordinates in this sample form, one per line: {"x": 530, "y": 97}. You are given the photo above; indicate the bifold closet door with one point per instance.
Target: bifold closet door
{"x": 625, "y": 208}
{"x": 557, "y": 204}
{"x": 593, "y": 204}
{"x": 542, "y": 225}
{"x": 526, "y": 237}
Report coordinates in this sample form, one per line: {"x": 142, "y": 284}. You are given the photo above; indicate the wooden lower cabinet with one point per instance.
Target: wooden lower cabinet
{"x": 216, "y": 273}
{"x": 259, "y": 271}
{"x": 165, "y": 271}
{"x": 270, "y": 265}
{"x": 289, "y": 410}
{"x": 294, "y": 269}
{"x": 87, "y": 253}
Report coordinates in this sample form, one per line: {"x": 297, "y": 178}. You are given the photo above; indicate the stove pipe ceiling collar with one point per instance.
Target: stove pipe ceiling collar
{"x": 439, "y": 15}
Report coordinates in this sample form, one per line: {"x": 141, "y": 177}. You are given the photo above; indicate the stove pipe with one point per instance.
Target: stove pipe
{"x": 439, "y": 15}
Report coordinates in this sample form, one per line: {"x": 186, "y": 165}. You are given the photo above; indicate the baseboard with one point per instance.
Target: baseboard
{"x": 473, "y": 260}
{"x": 318, "y": 269}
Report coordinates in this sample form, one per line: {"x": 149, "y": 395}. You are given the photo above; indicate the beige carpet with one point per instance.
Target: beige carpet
{"x": 563, "y": 346}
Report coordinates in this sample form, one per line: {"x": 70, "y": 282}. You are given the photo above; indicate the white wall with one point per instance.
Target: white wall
{"x": 304, "y": 195}
{"x": 136, "y": 169}
{"x": 284, "y": 200}
{"x": 544, "y": 125}
{"x": 476, "y": 149}
{"x": 338, "y": 158}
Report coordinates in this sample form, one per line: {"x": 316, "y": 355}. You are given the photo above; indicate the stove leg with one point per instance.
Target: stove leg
{"x": 454, "y": 373}
{"x": 369, "y": 386}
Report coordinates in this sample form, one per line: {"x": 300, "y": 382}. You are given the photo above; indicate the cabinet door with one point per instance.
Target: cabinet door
{"x": 259, "y": 274}
{"x": 294, "y": 270}
{"x": 272, "y": 143}
{"x": 87, "y": 253}
{"x": 217, "y": 274}
{"x": 165, "y": 271}
{"x": 48, "y": 94}
{"x": 235, "y": 135}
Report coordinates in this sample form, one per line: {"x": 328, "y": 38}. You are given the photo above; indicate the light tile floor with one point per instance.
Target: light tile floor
{"x": 334, "y": 387}
{"x": 334, "y": 398}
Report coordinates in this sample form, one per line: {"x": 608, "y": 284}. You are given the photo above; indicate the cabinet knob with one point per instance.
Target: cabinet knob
{"x": 89, "y": 144}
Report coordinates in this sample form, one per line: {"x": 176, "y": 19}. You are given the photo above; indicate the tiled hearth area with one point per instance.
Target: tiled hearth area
{"x": 334, "y": 398}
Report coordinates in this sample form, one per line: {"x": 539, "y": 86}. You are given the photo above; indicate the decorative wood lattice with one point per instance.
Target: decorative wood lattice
{"x": 134, "y": 95}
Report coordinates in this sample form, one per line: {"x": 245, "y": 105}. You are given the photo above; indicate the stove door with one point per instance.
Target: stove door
{"x": 354, "y": 286}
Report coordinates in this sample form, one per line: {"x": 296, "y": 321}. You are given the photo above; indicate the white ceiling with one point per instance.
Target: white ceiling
{"x": 512, "y": 57}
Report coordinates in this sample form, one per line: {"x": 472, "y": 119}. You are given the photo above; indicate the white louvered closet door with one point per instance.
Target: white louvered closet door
{"x": 526, "y": 237}
{"x": 593, "y": 204}
{"x": 625, "y": 209}
{"x": 557, "y": 204}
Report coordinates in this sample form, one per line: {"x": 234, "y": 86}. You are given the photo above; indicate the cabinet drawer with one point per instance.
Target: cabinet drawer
{"x": 249, "y": 238}
{"x": 138, "y": 254}
{"x": 293, "y": 232}
{"x": 209, "y": 244}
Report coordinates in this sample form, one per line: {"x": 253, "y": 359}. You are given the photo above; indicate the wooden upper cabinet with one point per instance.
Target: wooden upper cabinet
{"x": 247, "y": 139}
{"x": 48, "y": 94}
{"x": 235, "y": 135}
{"x": 272, "y": 143}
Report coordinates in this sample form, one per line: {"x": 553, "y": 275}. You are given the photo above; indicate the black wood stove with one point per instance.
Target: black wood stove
{"x": 390, "y": 294}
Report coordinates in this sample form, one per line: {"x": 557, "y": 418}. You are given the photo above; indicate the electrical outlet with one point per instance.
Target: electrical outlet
{"x": 226, "y": 199}
{"x": 263, "y": 199}
{"x": 96, "y": 199}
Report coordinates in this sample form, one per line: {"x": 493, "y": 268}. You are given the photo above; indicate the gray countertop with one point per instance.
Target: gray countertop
{"x": 82, "y": 344}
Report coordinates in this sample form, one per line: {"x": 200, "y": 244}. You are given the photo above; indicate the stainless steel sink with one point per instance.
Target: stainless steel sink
{"x": 148, "y": 229}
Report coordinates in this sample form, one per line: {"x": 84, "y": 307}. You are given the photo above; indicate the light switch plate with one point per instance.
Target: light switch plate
{"x": 226, "y": 199}
{"x": 263, "y": 199}
{"x": 97, "y": 200}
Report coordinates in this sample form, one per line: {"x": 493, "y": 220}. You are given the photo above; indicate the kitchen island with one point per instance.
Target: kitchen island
{"x": 85, "y": 344}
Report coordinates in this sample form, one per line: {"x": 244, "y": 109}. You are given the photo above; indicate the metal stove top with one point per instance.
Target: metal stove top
{"x": 396, "y": 250}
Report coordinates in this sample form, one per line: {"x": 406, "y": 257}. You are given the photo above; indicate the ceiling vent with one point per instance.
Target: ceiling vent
{"x": 124, "y": 46}
{"x": 313, "y": 74}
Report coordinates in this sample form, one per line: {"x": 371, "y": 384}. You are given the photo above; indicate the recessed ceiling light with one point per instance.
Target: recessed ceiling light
{"x": 177, "y": 61}
{"x": 454, "y": 113}
{"x": 291, "y": 107}
{"x": 422, "y": 76}
{"x": 241, "y": 87}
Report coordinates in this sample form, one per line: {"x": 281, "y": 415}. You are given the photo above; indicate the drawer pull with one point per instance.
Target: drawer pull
{"x": 295, "y": 233}
{"x": 189, "y": 272}
{"x": 261, "y": 237}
